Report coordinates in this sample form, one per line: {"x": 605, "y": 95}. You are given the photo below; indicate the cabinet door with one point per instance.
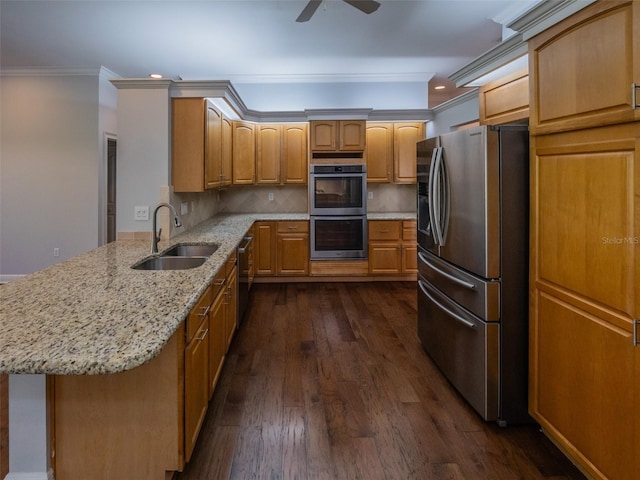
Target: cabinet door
{"x": 226, "y": 163}
{"x": 405, "y": 137}
{"x": 265, "y": 249}
{"x": 268, "y": 139}
{"x": 385, "y": 258}
{"x": 213, "y": 147}
{"x": 187, "y": 144}
{"x": 323, "y": 134}
{"x": 583, "y": 69}
{"x": 506, "y": 99}
{"x": 585, "y": 295}
{"x": 244, "y": 153}
{"x": 379, "y": 152}
{"x": 294, "y": 154}
{"x": 352, "y": 135}
{"x": 196, "y": 386}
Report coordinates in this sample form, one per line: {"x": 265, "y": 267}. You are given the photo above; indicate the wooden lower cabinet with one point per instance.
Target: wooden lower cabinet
{"x": 282, "y": 248}
{"x": 292, "y": 242}
{"x": 392, "y": 247}
{"x": 127, "y": 425}
{"x": 142, "y": 423}
{"x": 584, "y": 385}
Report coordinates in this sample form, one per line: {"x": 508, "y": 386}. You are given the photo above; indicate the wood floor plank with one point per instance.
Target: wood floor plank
{"x": 329, "y": 381}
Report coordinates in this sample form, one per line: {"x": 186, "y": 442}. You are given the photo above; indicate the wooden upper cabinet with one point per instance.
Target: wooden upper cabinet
{"x": 189, "y": 127}
{"x": 338, "y": 135}
{"x": 281, "y": 153}
{"x": 405, "y": 137}
{"x": 506, "y": 99}
{"x": 268, "y": 153}
{"x": 294, "y": 164}
{"x": 596, "y": 53}
{"x": 244, "y": 153}
{"x": 379, "y": 152}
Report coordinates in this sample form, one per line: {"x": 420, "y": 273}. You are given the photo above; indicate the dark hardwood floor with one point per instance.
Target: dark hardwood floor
{"x": 329, "y": 381}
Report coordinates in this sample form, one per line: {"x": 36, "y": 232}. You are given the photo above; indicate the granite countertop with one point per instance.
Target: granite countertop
{"x": 93, "y": 314}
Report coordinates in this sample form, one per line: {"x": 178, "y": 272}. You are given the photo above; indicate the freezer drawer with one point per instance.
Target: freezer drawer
{"x": 476, "y": 294}
{"x": 465, "y": 348}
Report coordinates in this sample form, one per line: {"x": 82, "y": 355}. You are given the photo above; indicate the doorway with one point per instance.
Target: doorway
{"x": 111, "y": 189}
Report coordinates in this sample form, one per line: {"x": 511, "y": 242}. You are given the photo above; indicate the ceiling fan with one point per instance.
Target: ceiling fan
{"x": 365, "y": 6}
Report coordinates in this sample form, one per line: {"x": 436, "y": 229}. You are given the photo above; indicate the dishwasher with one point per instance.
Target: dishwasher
{"x": 245, "y": 262}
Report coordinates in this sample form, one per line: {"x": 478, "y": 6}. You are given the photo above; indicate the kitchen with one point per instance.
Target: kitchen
{"x": 155, "y": 120}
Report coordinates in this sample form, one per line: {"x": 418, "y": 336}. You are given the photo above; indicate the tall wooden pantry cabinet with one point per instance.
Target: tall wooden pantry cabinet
{"x": 585, "y": 237}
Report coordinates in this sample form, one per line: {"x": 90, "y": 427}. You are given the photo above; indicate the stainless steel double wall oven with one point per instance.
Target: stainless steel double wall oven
{"x": 338, "y": 208}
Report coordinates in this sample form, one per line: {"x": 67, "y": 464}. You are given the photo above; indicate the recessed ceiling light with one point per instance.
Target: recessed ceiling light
{"x": 155, "y": 75}
{"x": 439, "y": 87}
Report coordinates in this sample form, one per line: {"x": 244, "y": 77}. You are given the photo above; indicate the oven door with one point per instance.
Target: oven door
{"x": 338, "y": 237}
{"x": 338, "y": 193}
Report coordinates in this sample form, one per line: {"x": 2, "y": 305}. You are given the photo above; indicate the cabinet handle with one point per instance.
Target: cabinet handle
{"x": 384, "y": 231}
{"x": 635, "y": 88}
{"x": 203, "y": 336}
{"x": 636, "y": 332}
{"x": 219, "y": 283}
{"x": 292, "y": 227}
{"x": 206, "y": 311}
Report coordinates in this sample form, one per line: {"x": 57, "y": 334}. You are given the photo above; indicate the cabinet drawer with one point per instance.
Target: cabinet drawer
{"x": 218, "y": 282}
{"x": 384, "y": 229}
{"x": 231, "y": 262}
{"x": 199, "y": 313}
{"x": 293, "y": 227}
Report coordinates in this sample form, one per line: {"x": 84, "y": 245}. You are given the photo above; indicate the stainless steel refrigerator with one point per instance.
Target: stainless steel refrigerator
{"x": 473, "y": 205}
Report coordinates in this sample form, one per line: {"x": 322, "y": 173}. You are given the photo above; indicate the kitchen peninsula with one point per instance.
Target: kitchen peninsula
{"x": 115, "y": 342}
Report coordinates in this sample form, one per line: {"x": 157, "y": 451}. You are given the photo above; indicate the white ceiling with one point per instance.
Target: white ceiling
{"x": 340, "y": 58}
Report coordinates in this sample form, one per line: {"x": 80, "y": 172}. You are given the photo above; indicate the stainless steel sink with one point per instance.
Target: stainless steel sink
{"x": 169, "y": 263}
{"x": 191, "y": 250}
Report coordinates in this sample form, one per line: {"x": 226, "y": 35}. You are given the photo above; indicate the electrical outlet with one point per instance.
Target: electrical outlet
{"x": 184, "y": 208}
{"x": 56, "y": 252}
{"x": 141, "y": 212}
{"x": 271, "y": 196}
{"x": 370, "y": 196}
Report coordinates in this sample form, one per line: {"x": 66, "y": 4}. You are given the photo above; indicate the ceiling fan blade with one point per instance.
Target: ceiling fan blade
{"x": 366, "y": 6}
{"x": 308, "y": 11}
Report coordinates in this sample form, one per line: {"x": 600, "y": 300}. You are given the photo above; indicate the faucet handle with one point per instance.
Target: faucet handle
{"x": 159, "y": 234}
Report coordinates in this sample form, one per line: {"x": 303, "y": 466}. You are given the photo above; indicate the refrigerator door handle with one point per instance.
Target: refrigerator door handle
{"x": 443, "y": 206}
{"x": 436, "y": 195}
{"x": 430, "y": 196}
{"x": 448, "y": 276}
{"x": 453, "y": 315}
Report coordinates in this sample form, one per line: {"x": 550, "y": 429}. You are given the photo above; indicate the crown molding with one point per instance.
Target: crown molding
{"x": 334, "y": 78}
{"x": 535, "y": 20}
{"x": 545, "y": 15}
{"x": 52, "y": 72}
{"x": 503, "y": 53}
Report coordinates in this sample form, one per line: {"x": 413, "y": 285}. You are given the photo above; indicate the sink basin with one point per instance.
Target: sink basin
{"x": 169, "y": 263}
{"x": 190, "y": 250}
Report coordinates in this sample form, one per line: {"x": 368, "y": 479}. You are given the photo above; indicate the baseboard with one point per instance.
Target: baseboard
{"x": 8, "y": 278}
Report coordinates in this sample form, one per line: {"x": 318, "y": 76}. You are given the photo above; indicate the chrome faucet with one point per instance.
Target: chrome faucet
{"x": 156, "y": 238}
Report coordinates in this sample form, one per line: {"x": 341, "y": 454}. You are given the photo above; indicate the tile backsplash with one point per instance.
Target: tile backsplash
{"x": 265, "y": 199}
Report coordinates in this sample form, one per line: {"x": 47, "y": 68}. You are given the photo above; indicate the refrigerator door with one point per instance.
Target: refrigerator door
{"x": 473, "y": 235}
{"x": 463, "y": 347}
{"x": 478, "y": 295}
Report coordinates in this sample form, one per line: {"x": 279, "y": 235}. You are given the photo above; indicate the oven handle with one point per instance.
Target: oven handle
{"x": 453, "y": 315}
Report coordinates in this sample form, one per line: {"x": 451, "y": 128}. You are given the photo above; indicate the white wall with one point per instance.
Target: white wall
{"x": 50, "y": 157}
{"x": 142, "y": 154}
